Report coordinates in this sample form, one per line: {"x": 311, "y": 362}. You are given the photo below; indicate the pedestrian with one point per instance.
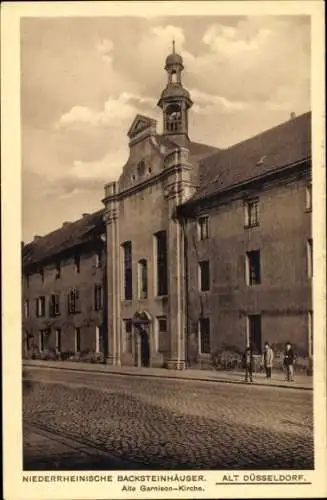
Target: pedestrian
{"x": 268, "y": 358}
{"x": 289, "y": 362}
{"x": 247, "y": 363}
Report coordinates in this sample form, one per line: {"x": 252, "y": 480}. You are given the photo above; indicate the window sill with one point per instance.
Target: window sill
{"x": 251, "y": 226}
{"x": 161, "y": 297}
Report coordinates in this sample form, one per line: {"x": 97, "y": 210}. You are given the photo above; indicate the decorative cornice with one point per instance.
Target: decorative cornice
{"x": 136, "y": 188}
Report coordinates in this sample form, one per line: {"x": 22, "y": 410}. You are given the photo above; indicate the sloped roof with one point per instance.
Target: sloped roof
{"x": 66, "y": 237}
{"x": 197, "y": 149}
{"x": 280, "y": 146}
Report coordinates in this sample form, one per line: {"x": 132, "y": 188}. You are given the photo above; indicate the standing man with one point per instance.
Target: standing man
{"x": 247, "y": 362}
{"x": 289, "y": 362}
{"x": 268, "y": 358}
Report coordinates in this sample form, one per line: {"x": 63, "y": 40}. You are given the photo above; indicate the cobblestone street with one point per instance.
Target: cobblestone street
{"x": 77, "y": 420}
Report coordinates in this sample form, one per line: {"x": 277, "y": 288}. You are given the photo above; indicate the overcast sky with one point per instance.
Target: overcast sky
{"x": 84, "y": 80}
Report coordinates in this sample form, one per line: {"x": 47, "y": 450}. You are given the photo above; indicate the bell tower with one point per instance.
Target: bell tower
{"x": 175, "y": 101}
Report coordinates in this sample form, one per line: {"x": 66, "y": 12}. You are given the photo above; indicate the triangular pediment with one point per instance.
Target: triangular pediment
{"x": 139, "y": 124}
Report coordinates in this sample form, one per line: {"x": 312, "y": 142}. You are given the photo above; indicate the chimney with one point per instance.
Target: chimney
{"x": 66, "y": 223}
{"x": 85, "y": 215}
{"x": 292, "y": 115}
{"x": 37, "y": 237}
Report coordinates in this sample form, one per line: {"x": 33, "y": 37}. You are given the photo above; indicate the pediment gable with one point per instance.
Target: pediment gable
{"x": 140, "y": 123}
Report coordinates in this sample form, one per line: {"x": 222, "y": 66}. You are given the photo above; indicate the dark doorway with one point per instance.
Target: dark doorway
{"x": 255, "y": 336}
{"x": 145, "y": 348}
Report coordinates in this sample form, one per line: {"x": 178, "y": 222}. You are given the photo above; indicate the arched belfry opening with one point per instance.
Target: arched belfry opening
{"x": 174, "y": 118}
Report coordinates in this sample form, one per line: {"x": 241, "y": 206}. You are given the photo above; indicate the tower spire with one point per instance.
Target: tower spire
{"x": 173, "y": 46}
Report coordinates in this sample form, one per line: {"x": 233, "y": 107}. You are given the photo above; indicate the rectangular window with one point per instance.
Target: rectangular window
{"x": 26, "y": 308}
{"x": 98, "y": 339}
{"x": 128, "y": 274}
{"x": 142, "y": 279}
{"x": 253, "y": 272}
{"x": 310, "y": 257}
{"x": 98, "y": 297}
{"x": 204, "y": 336}
{"x": 74, "y": 301}
{"x": 98, "y": 259}
{"x": 77, "y": 339}
{"x": 58, "y": 270}
{"x": 27, "y": 280}
{"x": 42, "y": 275}
{"x": 254, "y": 333}
{"x": 127, "y": 338}
{"x": 58, "y": 340}
{"x": 204, "y": 275}
{"x": 203, "y": 227}
{"x": 251, "y": 213}
{"x": 40, "y": 307}
{"x": 41, "y": 340}
{"x": 54, "y": 305}
{"x": 77, "y": 264}
{"x": 161, "y": 341}
{"x": 308, "y": 198}
{"x": 161, "y": 260}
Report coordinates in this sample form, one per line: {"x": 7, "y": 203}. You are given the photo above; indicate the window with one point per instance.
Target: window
{"x": 310, "y": 257}
{"x": 251, "y": 213}
{"x": 142, "y": 279}
{"x": 77, "y": 264}
{"x": 98, "y": 259}
{"x": 253, "y": 276}
{"x": 127, "y": 337}
{"x": 161, "y": 341}
{"x": 58, "y": 270}
{"x": 27, "y": 280}
{"x": 308, "y": 198}
{"x": 26, "y": 308}
{"x": 161, "y": 258}
{"x": 54, "y": 305}
{"x": 98, "y": 297}
{"x": 204, "y": 336}
{"x": 42, "y": 275}
{"x": 58, "y": 340}
{"x": 98, "y": 339}
{"x": 77, "y": 339}
{"x": 203, "y": 227}
{"x": 204, "y": 275}
{"x": 128, "y": 275}
{"x": 73, "y": 301}
{"x": 40, "y": 307}
{"x": 41, "y": 340}
{"x": 254, "y": 333}
{"x": 310, "y": 334}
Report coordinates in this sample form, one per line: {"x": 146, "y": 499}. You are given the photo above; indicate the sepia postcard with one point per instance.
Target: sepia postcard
{"x": 163, "y": 250}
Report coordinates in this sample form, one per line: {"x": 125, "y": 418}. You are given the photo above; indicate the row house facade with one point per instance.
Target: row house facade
{"x": 64, "y": 307}
{"x": 203, "y": 250}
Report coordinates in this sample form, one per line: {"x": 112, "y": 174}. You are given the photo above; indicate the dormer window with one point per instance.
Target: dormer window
{"x": 77, "y": 264}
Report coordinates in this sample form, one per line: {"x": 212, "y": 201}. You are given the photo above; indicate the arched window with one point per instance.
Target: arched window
{"x": 143, "y": 279}
{"x": 173, "y": 76}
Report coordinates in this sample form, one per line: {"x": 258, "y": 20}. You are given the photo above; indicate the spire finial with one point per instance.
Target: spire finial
{"x": 173, "y": 46}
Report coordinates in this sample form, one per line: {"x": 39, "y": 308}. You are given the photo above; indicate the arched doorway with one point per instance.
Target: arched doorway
{"x": 142, "y": 343}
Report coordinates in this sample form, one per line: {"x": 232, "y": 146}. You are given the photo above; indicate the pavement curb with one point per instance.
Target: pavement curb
{"x": 166, "y": 377}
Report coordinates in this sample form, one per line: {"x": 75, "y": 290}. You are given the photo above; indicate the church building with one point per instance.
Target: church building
{"x": 207, "y": 250}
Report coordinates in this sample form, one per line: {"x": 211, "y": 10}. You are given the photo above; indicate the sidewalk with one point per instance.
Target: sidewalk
{"x": 278, "y": 379}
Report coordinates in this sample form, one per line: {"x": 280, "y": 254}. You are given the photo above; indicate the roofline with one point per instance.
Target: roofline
{"x": 64, "y": 251}
{"x": 239, "y": 185}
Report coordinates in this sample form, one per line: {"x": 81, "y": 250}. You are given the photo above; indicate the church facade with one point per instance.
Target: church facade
{"x": 204, "y": 251}
{"x": 207, "y": 250}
